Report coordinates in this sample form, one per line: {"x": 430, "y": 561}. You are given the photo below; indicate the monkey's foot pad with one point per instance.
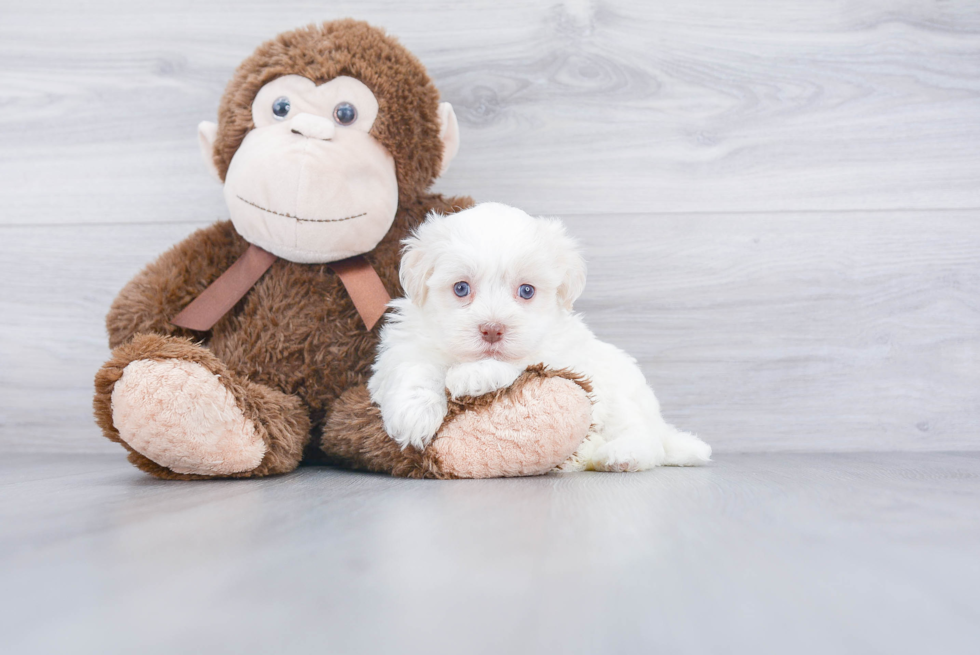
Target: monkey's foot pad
{"x": 527, "y": 429}
{"x": 179, "y": 415}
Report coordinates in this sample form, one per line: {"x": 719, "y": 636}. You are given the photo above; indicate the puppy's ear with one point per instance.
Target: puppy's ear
{"x": 572, "y": 265}
{"x": 416, "y": 269}
{"x": 573, "y": 284}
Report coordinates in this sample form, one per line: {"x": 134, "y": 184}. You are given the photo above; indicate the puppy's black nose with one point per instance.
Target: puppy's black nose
{"x": 492, "y": 332}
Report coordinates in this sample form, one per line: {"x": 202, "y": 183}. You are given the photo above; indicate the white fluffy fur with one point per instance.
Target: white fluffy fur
{"x": 432, "y": 342}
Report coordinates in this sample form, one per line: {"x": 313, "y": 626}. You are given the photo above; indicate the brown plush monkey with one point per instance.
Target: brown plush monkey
{"x": 327, "y": 141}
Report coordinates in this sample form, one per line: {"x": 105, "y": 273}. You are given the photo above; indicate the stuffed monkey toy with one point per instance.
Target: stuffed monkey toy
{"x": 244, "y": 349}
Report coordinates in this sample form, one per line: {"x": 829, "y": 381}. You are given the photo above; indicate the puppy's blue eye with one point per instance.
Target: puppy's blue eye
{"x": 280, "y": 107}
{"x": 461, "y": 289}
{"x": 526, "y": 291}
{"x": 345, "y": 113}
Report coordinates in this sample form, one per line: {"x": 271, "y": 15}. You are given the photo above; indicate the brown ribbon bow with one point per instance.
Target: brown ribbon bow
{"x": 358, "y": 276}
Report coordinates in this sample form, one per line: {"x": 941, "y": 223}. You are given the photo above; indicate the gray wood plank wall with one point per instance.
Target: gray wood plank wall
{"x": 780, "y": 202}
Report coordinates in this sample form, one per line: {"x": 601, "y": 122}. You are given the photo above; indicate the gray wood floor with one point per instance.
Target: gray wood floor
{"x": 756, "y": 553}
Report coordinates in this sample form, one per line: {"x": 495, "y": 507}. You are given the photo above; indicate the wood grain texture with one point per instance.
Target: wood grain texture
{"x": 780, "y": 202}
{"x": 573, "y": 107}
{"x": 756, "y": 554}
{"x": 803, "y": 331}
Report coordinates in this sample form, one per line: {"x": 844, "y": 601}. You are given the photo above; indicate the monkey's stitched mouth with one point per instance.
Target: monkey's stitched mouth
{"x": 297, "y": 218}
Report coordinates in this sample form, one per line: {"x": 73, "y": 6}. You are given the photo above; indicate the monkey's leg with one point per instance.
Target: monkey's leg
{"x": 183, "y": 414}
{"x": 527, "y": 429}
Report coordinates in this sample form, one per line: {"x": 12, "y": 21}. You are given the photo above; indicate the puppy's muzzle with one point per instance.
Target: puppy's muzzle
{"x": 492, "y": 332}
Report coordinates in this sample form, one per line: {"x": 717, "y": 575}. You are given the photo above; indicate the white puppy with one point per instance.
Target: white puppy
{"x": 490, "y": 292}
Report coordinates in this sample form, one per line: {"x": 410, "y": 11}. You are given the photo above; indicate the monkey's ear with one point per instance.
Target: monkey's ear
{"x": 448, "y": 134}
{"x": 207, "y": 132}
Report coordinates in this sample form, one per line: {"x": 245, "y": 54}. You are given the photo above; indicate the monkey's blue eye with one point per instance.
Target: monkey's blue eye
{"x": 461, "y": 289}
{"x": 526, "y": 291}
{"x": 280, "y": 107}
{"x": 345, "y": 113}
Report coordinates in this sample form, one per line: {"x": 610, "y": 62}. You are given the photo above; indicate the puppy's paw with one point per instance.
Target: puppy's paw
{"x": 627, "y": 454}
{"x": 415, "y": 418}
{"x": 480, "y": 377}
{"x": 684, "y": 449}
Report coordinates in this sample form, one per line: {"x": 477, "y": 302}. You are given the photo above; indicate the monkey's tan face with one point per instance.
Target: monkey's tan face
{"x": 309, "y": 183}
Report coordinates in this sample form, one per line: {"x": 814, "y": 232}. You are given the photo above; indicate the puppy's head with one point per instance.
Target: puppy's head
{"x": 491, "y": 281}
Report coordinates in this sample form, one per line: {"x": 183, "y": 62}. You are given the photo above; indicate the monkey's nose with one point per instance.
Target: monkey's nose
{"x": 312, "y": 127}
{"x": 492, "y": 332}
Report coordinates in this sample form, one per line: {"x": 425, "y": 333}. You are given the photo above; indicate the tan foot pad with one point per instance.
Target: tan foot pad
{"x": 179, "y": 415}
{"x": 527, "y": 431}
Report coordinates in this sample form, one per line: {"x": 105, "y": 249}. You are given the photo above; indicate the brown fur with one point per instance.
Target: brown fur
{"x": 296, "y": 336}
{"x": 354, "y": 436}
{"x": 294, "y": 352}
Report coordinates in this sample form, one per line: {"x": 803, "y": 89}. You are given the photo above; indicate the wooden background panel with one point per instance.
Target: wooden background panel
{"x": 826, "y": 332}
{"x": 806, "y": 331}
{"x": 572, "y": 107}
{"x": 793, "y": 323}
{"x": 52, "y": 330}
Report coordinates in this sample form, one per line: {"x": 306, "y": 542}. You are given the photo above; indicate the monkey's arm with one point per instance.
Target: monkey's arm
{"x": 528, "y": 428}
{"x": 158, "y": 292}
